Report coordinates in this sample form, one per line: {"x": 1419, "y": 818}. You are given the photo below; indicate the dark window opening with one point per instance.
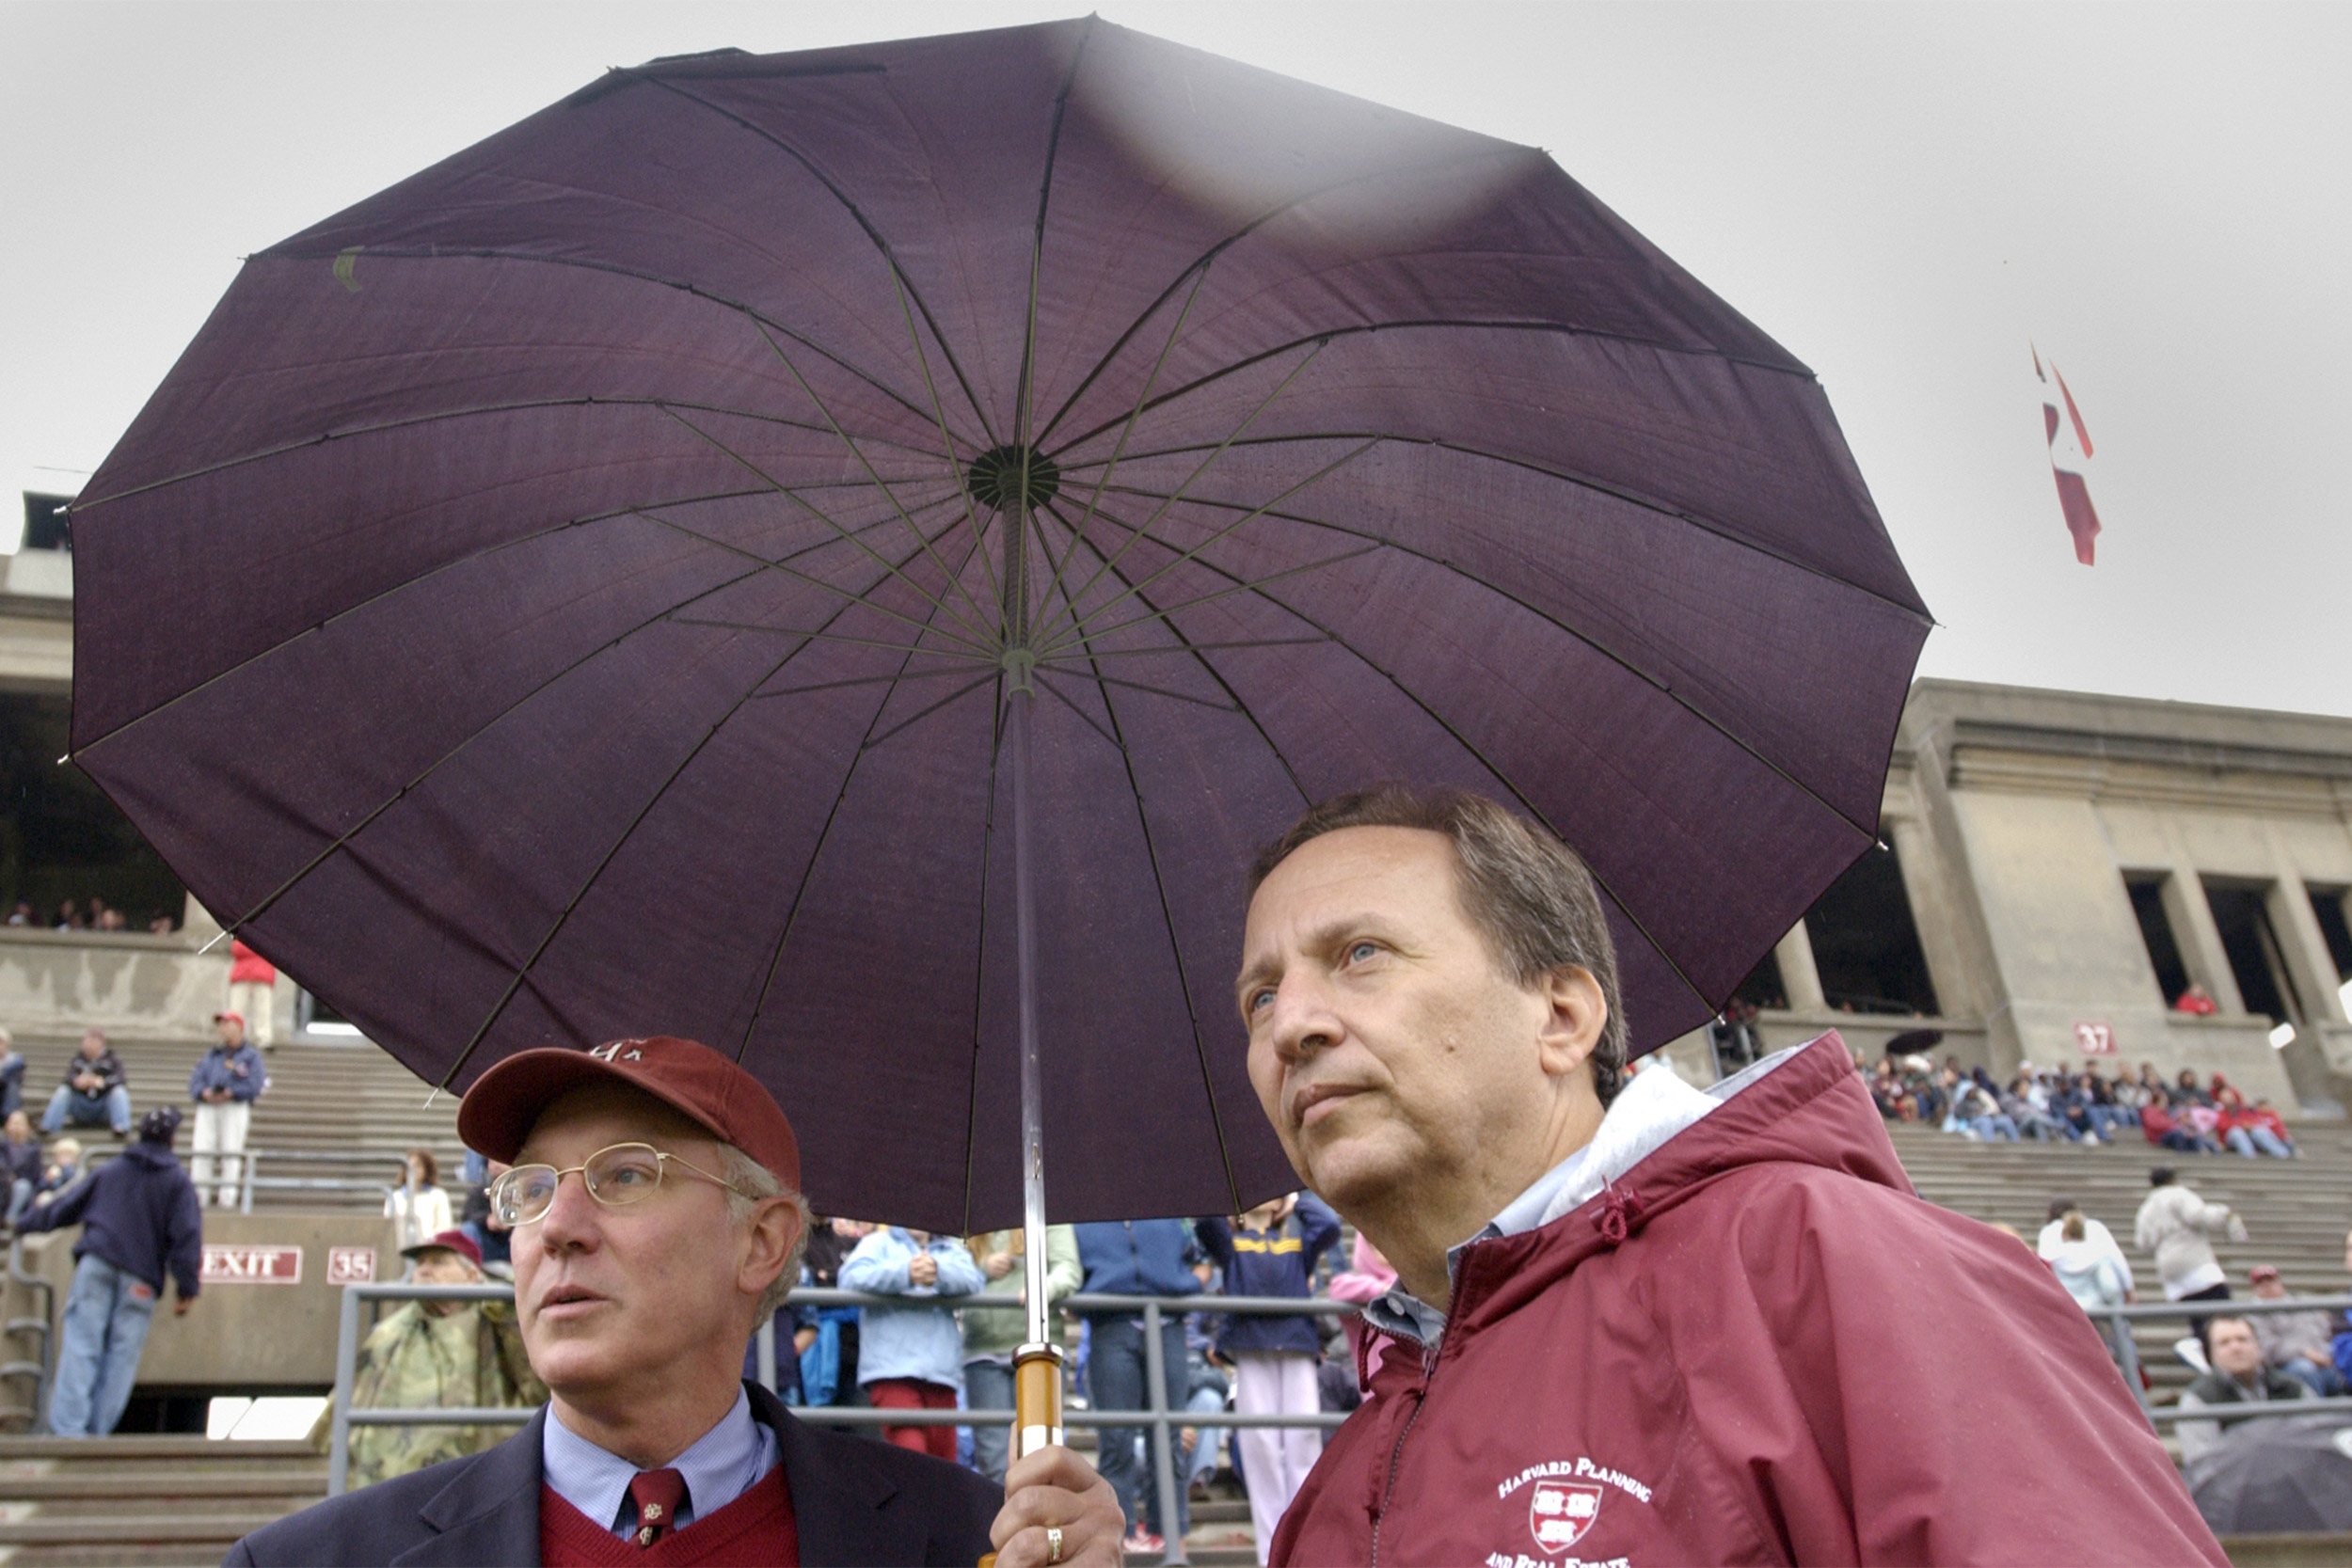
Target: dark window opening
{"x": 1763, "y": 988}
{"x": 314, "y": 1015}
{"x": 62, "y": 843}
{"x": 2327, "y": 906}
{"x": 1865, "y": 946}
{"x": 2262, "y": 981}
{"x": 2156, "y": 930}
{"x": 45, "y": 526}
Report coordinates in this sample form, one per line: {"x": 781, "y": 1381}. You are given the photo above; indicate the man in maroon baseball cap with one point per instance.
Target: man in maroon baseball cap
{"x": 654, "y": 1198}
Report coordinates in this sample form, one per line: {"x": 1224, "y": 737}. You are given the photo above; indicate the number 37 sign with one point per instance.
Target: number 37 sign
{"x": 2094, "y": 1039}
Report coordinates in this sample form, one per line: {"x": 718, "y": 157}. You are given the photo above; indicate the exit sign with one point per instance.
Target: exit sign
{"x": 252, "y": 1265}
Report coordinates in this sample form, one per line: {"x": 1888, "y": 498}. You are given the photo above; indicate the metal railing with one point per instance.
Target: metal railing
{"x": 249, "y": 1178}
{"x": 36, "y": 1368}
{"x": 1157, "y": 1418}
{"x": 2117, "y": 1333}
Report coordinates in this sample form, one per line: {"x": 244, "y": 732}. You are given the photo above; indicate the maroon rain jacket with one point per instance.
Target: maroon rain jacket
{"x": 1758, "y": 1345}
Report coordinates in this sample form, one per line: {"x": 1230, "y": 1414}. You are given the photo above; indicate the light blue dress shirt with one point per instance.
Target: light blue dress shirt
{"x": 724, "y": 1463}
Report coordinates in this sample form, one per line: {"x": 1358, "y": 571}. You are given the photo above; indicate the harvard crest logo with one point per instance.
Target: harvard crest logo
{"x": 1561, "y": 1512}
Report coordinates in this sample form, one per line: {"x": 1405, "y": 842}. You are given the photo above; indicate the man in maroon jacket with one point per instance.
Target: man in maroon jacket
{"x": 1647, "y": 1325}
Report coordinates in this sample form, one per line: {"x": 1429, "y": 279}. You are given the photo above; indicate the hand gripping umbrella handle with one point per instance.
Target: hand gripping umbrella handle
{"x": 1037, "y": 1405}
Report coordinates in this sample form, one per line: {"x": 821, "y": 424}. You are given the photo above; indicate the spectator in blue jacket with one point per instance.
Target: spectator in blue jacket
{"x": 1272, "y": 1251}
{"x": 1136, "y": 1258}
{"x": 911, "y": 1357}
{"x": 228, "y": 1080}
{"x": 139, "y": 1220}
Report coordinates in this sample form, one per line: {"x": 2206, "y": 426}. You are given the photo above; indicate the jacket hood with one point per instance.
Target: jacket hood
{"x": 1662, "y": 1141}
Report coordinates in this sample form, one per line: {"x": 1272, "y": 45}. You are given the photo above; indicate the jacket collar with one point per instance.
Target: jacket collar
{"x": 1805, "y": 1107}
{"x": 837, "y": 1505}
{"x": 489, "y": 1511}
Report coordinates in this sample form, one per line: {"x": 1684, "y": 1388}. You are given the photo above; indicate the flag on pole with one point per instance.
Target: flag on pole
{"x": 2069, "y": 454}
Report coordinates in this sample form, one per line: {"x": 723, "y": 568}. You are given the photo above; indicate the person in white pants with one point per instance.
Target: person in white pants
{"x": 1272, "y": 1251}
{"x": 224, "y": 1085}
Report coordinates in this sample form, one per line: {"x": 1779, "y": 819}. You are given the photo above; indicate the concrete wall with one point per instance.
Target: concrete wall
{"x": 131, "y": 984}
{"x": 249, "y": 1338}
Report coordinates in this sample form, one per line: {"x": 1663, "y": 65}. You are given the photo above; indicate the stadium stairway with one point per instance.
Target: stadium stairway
{"x": 2296, "y": 1212}
{"x": 140, "y": 1501}
{"x": 345, "y": 1099}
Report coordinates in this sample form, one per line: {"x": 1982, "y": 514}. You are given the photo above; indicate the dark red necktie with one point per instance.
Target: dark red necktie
{"x": 657, "y": 1495}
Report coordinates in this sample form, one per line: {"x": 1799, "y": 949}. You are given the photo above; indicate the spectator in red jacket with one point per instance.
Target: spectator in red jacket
{"x": 1659, "y": 1324}
{"x": 253, "y": 992}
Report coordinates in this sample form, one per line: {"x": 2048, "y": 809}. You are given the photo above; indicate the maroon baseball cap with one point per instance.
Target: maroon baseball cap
{"x": 499, "y": 1112}
{"x": 450, "y": 1241}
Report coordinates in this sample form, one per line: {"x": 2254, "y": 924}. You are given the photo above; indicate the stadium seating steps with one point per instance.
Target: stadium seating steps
{"x": 156, "y": 1500}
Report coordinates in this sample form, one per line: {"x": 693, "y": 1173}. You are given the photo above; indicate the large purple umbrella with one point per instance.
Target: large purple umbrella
{"x": 636, "y": 575}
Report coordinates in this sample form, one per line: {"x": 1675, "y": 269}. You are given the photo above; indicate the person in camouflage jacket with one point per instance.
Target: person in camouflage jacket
{"x": 439, "y": 1354}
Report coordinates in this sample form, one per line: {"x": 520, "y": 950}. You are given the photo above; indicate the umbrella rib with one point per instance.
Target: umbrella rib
{"x": 860, "y": 680}
{"x": 947, "y": 442}
{"x": 824, "y": 837}
{"x": 1240, "y": 585}
{"x": 1024, "y": 391}
{"x": 356, "y": 829}
{"x": 1179, "y": 649}
{"x": 1194, "y": 650}
{"x": 954, "y": 579}
{"x": 1258, "y": 588}
{"x": 1070, "y": 600}
{"x": 1084, "y": 717}
{"x": 1175, "y": 948}
{"x": 978, "y": 639}
{"x": 1054, "y": 583}
{"x": 564, "y": 915}
{"x": 1201, "y": 263}
{"x": 980, "y": 965}
{"x": 1623, "y": 661}
{"x": 1326, "y": 335}
{"x": 890, "y": 258}
{"x": 488, "y": 253}
{"x": 1581, "y": 481}
{"x": 1199, "y": 1046}
{"x": 1101, "y": 679}
{"x": 921, "y": 714}
{"x": 828, "y": 637}
{"x": 407, "y": 584}
{"x": 478, "y": 411}
{"x": 1218, "y": 537}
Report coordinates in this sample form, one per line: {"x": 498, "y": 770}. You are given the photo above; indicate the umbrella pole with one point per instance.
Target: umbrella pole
{"x": 1037, "y": 1365}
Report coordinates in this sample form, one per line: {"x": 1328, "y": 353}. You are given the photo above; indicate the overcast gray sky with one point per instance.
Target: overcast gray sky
{"x": 1900, "y": 195}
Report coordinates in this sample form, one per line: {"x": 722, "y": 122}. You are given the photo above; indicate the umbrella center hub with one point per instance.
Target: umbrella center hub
{"x": 995, "y": 478}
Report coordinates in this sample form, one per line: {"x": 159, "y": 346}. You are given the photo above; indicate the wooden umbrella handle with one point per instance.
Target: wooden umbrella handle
{"x": 1037, "y": 1403}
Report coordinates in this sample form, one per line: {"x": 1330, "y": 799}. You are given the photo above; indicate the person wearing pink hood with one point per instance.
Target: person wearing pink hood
{"x": 1645, "y": 1324}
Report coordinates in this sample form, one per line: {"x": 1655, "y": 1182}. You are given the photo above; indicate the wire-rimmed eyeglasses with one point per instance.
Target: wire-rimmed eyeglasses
{"x": 616, "y": 1177}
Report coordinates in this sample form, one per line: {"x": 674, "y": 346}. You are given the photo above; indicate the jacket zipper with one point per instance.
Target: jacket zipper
{"x": 1429, "y": 1357}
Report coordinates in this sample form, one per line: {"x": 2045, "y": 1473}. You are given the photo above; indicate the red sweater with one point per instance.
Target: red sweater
{"x": 756, "y": 1531}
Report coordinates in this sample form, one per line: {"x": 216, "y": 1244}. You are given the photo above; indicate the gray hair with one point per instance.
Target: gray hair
{"x": 751, "y": 1185}
{"x": 1528, "y": 894}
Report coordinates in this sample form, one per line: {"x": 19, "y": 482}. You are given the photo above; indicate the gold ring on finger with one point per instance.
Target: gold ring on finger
{"x": 1053, "y": 1543}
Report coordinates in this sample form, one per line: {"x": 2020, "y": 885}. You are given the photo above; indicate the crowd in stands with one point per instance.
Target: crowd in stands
{"x": 90, "y": 914}
{"x": 921, "y": 1353}
{"x": 2082, "y": 1106}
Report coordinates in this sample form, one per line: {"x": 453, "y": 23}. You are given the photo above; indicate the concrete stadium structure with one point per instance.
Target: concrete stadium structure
{"x": 2059, "y": 867}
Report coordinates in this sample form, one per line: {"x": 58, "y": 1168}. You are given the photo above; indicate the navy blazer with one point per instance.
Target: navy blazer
{"x": 854, "y": 1500}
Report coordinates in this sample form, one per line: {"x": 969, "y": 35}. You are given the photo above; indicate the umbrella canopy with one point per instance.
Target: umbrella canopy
{"x": 2280, "y": 1474}
{"x": 580, "y": 591}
